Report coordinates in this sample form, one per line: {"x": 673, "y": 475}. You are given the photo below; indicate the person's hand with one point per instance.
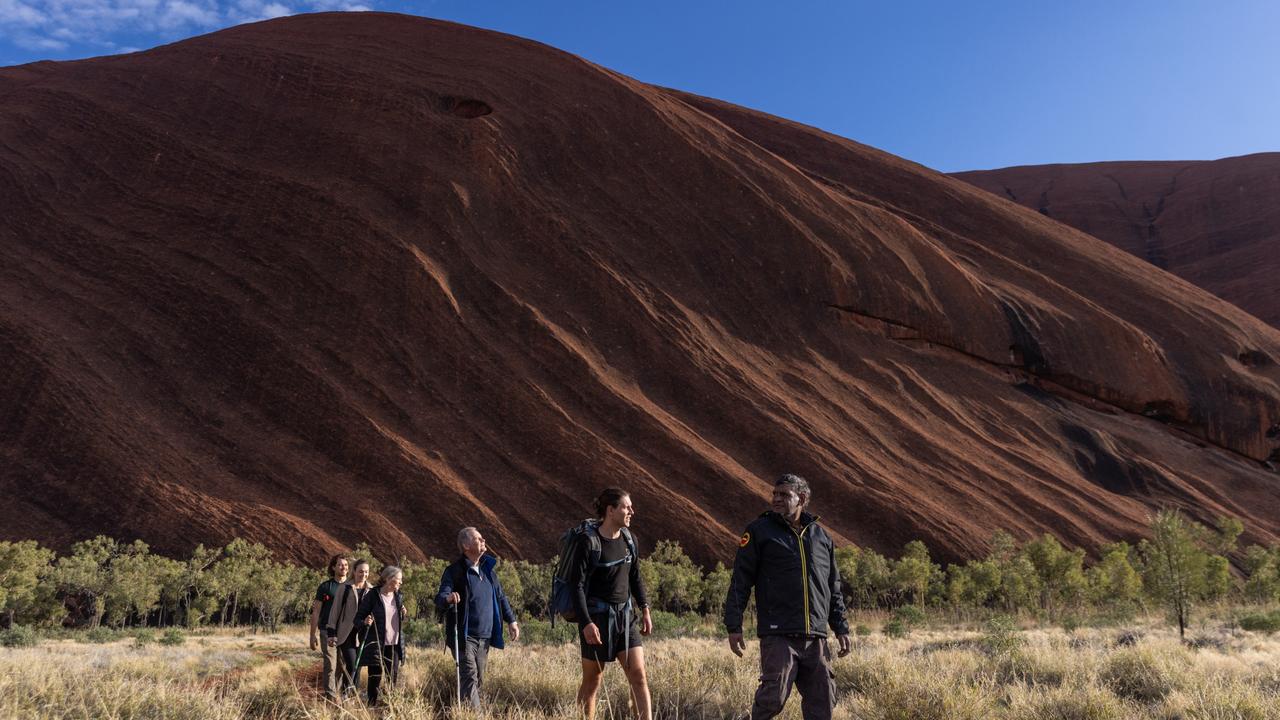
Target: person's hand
{"x": 454, "y": 599}
{"x": 515, "y": 632}
{"x": 592, "y": 634}
{"x": 315, "y": 641}
{"x": 845, "y": 645}
{"x": 646, "y": 623}
{"x": 368, "y": 619}
{"x": 737, "y": 644}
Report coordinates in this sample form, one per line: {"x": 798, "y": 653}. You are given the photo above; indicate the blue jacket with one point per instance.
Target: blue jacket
{"x": 454, "y": 579}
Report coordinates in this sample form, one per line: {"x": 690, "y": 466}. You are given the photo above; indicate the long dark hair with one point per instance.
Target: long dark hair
{"x": 609, "y": 497}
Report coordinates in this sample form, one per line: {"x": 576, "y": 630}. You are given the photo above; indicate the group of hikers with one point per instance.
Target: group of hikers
{"x": 784, "y": 556}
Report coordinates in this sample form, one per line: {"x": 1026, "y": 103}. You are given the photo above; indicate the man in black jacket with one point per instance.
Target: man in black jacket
{"x": 790, "y": 561}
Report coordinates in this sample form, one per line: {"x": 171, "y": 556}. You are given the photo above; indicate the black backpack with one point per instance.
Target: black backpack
{"x": 571, "y": 543}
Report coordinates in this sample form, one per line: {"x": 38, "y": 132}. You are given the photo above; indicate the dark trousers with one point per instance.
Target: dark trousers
{"x": 801, "y": 661}
{"x": 475, "y": 653}
{"x": 347, "y": 653}
{"x": 386, "y": 664}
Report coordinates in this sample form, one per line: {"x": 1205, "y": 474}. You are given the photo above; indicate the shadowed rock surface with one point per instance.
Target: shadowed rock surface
{"x": 1213, "y": 223}
{"x": 347, "y": 277}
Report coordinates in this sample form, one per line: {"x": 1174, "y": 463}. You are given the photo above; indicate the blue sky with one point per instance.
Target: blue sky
{"x": 954, "y": 85}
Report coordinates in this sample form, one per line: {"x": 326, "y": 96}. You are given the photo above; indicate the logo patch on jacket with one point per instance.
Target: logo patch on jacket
{"x": 744, "y": 540}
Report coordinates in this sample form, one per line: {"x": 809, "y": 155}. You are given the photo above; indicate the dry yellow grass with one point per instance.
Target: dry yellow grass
{"x": 943, "y": 675}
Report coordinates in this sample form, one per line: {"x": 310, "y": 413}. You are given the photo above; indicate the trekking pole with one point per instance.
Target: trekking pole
{"x": 383, "y": 683}
{"x": 457, "y": 657}
{"x": 353, "y": 673}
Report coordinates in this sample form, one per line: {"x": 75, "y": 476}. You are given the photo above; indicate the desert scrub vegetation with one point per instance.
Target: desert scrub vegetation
{"x": 996, "y": 670}
{"x": 1184, "y": 570}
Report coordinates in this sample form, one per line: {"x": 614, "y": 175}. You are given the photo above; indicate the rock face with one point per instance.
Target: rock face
{"x": 1215, "y": 224}
{"x": 342, "y": 277}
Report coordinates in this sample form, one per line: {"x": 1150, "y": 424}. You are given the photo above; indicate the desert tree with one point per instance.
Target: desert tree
{"x": 914, "y": 574}
{"x": 1262, "y": 570}
{"x": 865, "y": 575}
{"x": 1113, "y": 582}
{"x": 84, "y": 576}
{"x": 1176, "y": 564}
{"x": 715, "y": 588}
{"x": 1059, "y": 571}
{"x": 23, "y": 566}
{"x": 673, "y": 581}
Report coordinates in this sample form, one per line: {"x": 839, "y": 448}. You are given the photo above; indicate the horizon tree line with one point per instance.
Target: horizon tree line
{"x": 1180, "y": 566}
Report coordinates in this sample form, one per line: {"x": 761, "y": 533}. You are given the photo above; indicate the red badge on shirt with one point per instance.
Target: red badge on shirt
{"x": 746, "y": 538}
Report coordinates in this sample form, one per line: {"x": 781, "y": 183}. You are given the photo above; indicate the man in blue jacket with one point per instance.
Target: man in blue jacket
{"x": 790, "y": 561}
{"x": 471, "y": 586}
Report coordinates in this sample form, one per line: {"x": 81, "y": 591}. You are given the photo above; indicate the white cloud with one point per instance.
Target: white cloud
{"x": 35, "y": 42}
{"x": 55, "y": 24}
{"x": 180, "y": 13}
{"x": 20, "y": 14}
{"x": 275, "y": 10}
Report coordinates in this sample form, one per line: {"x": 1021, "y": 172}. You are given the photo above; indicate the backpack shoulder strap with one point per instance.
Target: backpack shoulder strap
{"x": 631, "y": 543}
{"x": 592, "y": 539}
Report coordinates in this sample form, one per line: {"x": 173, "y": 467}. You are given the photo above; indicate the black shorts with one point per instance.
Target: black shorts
{"x": 615, "y": 641}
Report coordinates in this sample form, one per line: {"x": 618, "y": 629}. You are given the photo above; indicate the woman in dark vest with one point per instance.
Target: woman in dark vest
{"x": 382, "y": 614}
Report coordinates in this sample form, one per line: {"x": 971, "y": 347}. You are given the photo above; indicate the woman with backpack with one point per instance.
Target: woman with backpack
{"x": 610, "y": 604}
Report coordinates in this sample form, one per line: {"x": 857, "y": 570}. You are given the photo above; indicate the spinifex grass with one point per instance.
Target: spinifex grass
{"x": 928, "y": 675}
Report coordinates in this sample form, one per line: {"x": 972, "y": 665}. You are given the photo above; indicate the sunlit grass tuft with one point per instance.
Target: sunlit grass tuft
{"x": 930, "y": 674}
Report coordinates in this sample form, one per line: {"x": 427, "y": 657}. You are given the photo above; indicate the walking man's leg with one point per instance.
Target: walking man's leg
{"x": 331, "y": 667}
{"x": 475, "y": 654}
{"x": 777, "y": 674}
{"x": 633, "y": 665}
{"x": 590, "y": 687}
{"x": 814, "y": 680}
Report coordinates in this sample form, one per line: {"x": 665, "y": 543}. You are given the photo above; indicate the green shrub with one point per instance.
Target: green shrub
{"x": 143, "y": 638}
{"x": 423, "y": 632}
{"x": 670, "y": 625}
{"x": 909, "y": 615}
{"x": 1259, "y": 622}
{"x": 101, "y": 634}
{"x": 19, "y": 636}
{"x": 172, "y": 636}
{"x": 895, "y": 628}
{"x": 1001, "y": 636}
{"x": 862, "y": 630}
{"x": 541, "y": 632}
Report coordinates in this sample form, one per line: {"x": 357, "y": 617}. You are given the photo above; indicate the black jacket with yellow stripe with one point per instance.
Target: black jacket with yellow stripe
{"x": 794, "y": 575}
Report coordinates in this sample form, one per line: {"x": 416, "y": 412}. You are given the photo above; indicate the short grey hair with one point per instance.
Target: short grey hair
{"x": 389, "y": 572}
{"x": 464, "y": 534}
{"x": 797, "y": 484}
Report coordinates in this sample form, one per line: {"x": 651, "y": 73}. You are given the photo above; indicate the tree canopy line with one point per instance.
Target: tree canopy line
{"x": 1181, "y": 565}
